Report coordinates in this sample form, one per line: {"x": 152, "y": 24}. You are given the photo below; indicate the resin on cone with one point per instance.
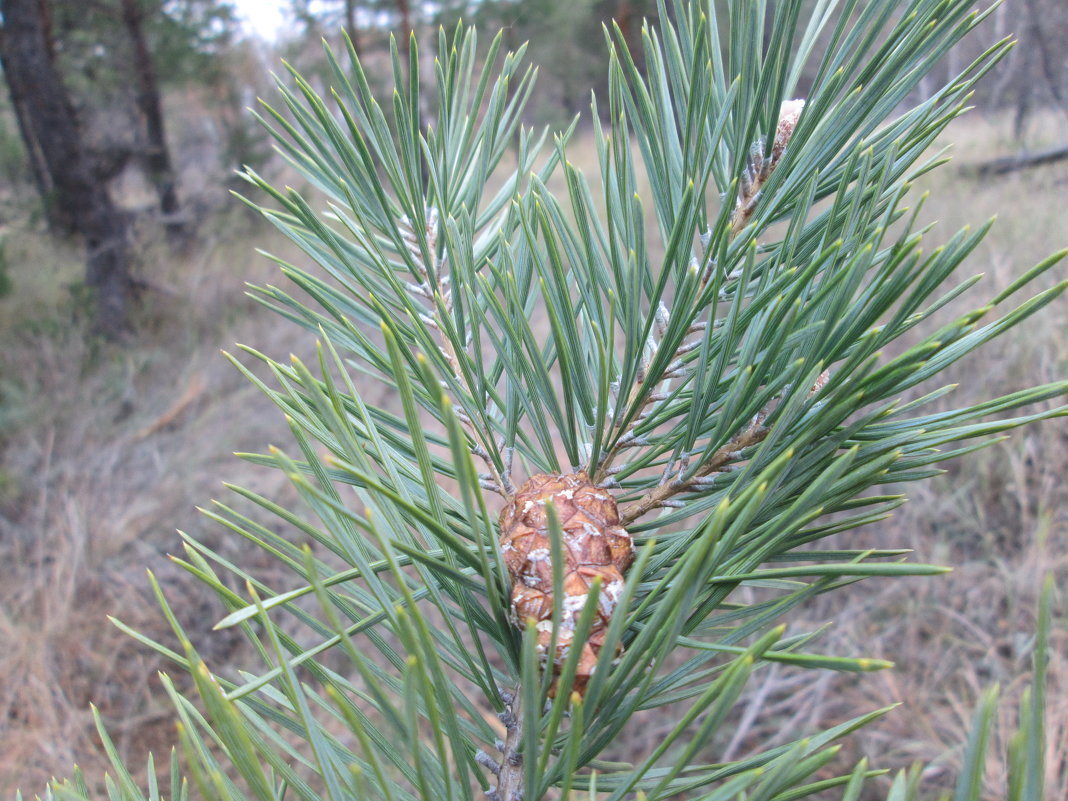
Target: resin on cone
{"x": 594, "y": 546}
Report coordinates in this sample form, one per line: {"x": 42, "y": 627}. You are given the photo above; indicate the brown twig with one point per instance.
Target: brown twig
{"x": 510, "y": 769}
{"x": 659, "y": 496}
{"x": 192, "y": 393}
{"x": 754, "y": 434}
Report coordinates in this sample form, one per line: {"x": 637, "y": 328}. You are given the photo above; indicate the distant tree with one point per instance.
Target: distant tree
{"x": 357, "y": 16}
{"x": 1044, "y": 31}
{"x": 1034, "y": 75}
{"x": 186, "y": 39}
{"x": 350, "y": 20}
{"x": 157, "y": 157}
{"x": 76, "y": 199}
{"x": 118, "y": 56}
{"x": 566, "y": 40}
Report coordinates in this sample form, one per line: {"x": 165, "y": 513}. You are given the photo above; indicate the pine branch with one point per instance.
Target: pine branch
{"x": 732, "y": 452}
{"x": 720, "y": 461}
{"x": 759, "y": 167}
{"x": 509, "y": 770}
{"x": 756, "y": 174}
{"x": 671, "y": 354}
{"x": 434, "y": 289}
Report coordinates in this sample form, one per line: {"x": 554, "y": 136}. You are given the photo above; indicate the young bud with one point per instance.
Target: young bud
{"x": 789, "y": 114}
{"x": 758, "y": 169}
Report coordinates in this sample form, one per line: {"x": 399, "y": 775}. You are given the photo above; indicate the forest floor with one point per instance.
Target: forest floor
{"x": 105, "y": 450}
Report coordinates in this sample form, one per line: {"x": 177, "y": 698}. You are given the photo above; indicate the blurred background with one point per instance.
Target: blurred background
{"x": 123, "y": 258}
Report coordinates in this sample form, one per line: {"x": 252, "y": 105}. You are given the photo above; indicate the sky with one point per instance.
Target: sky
{"x": 264, "y": 18}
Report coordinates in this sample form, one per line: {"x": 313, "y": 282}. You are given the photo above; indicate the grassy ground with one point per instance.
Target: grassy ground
{"x": 106, "y": 450}
{"x": 999, "y": 518}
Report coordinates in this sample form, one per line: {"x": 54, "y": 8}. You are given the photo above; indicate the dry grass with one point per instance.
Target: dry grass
{"x": 107, "y": 449}
{"x": 999, "y": 518}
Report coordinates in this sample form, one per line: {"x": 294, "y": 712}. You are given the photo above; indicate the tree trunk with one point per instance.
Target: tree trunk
{"x": 350, "y": 23}
{"x": 406, "y": 26}
{"x": 1046, "y": 59}
{"x": 38, "y": 168}
{"x": 626, "y": 17}
{"x": 158, "y": 157}
{"x": 80, "y": 201}
{"x": 58, "y": 220}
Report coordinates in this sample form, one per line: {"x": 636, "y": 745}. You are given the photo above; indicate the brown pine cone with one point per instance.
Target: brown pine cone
{"x": 594, "y": 545}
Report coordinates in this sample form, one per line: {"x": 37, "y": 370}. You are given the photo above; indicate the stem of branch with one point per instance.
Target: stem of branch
{"x": 510, "y": 775}
{"x": 660, "y": 495}
{"x": 429, "y": 290}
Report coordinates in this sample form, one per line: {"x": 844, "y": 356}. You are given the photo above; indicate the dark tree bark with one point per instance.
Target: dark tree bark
{"x": 38, "y": 168}
{"x": 1046, "y": 59}
{"x": 350, "y": 22}
{"x": 157, "y": 157}
{"x": 406, "y": 26}
{"x": 626, "y": 17}
{"x": 629, "y": 16}
{"x": 80, "y": 201}
{"x": 59, "y": 221}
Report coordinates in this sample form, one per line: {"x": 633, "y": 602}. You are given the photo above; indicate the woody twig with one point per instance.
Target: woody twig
{"x": 721, "y": 461}
{"x": 758, "y": 169}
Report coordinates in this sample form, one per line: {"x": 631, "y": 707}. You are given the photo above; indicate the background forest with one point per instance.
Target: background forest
{"x": 123, "y": 259}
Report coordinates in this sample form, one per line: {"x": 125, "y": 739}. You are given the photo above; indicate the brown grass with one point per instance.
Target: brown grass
{"x": 999, "y": 518}
{"x": 107, "y": 449}
{"x": 110, "y": 449}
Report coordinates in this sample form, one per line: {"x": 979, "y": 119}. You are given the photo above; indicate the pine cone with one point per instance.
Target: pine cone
{"x": 594, "y": 545}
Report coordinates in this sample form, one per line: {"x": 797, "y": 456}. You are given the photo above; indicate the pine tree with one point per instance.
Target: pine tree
{"x": 612, "y": 411}
{"x": 75, "y": 197}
